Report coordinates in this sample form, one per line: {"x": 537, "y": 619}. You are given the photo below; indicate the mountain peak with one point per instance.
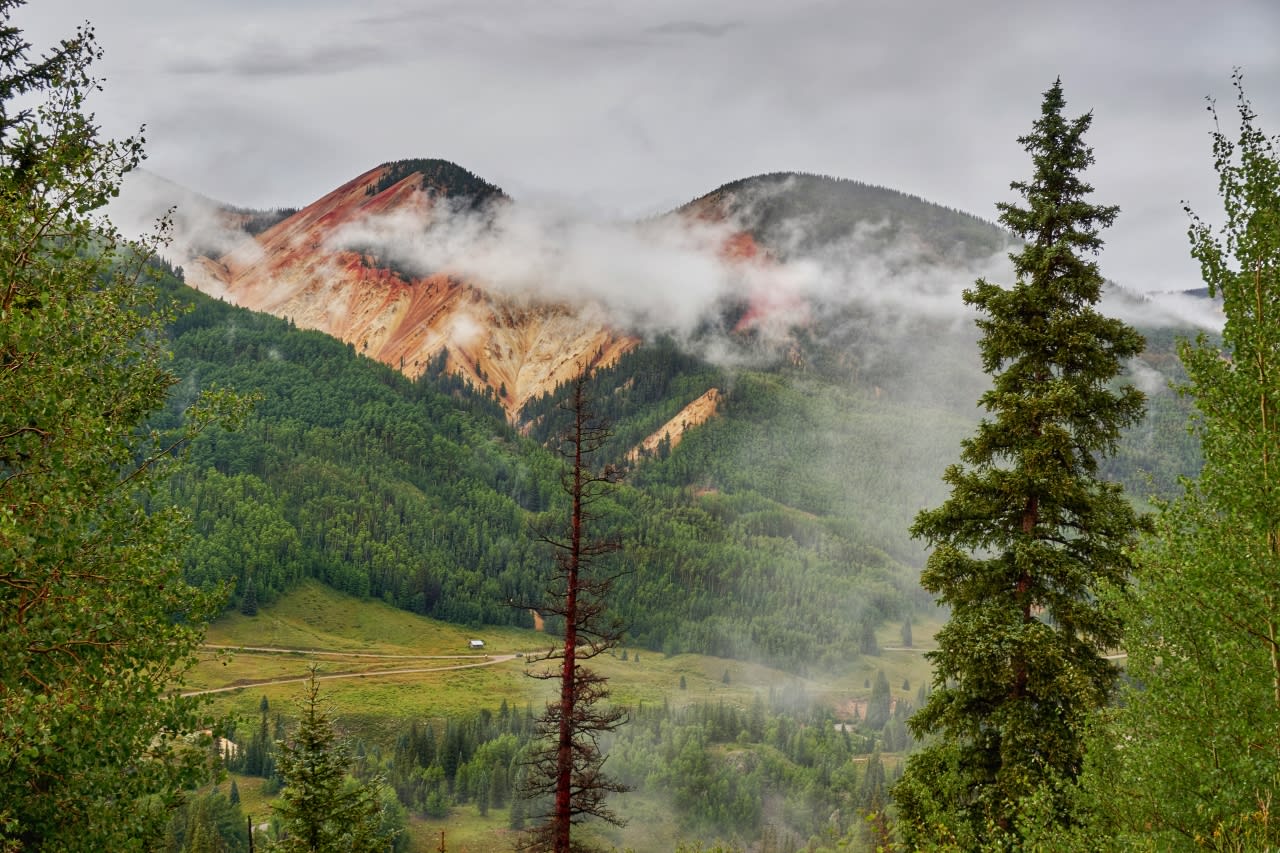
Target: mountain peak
{"x": 310, "y": 268}
{"x": 771, "y": 206}
{"x": 438, "y": 177}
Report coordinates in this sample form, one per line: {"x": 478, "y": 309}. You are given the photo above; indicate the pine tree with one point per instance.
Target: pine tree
{"x": 1030, "y": 535}
{"x": 880, "y": 703}
{"x": 1200, "y": 731}
{"x": 320, "y": 809}
{"x": 567, "y": 767}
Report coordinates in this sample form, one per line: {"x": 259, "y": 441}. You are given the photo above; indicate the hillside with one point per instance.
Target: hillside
{"x": 419, "y": 494}
{"x": 321, "y": 270}
{"x": 773, "y": 525}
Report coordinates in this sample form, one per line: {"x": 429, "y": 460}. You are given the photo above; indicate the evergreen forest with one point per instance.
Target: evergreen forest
{"x": 1056, "y": 589}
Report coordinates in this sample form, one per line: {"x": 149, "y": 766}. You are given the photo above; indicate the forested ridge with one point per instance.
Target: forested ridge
{"x": 418, "y": 493}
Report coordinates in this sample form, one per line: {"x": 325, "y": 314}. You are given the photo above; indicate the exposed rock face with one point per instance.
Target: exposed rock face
{"x": 697, "y": 412}
{"x": 292, "y": 269}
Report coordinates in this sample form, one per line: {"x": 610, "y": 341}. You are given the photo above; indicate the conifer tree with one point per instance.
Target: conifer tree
{"x": 1029, "y": 535}
{"x": 321, "y": 810}
{"x": 249, "y": 603}
{"x": 567, "y": 767}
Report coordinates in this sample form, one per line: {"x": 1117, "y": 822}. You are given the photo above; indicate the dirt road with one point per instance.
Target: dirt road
{"x": 274, "y": 650}
{"x": 486, "y": 660}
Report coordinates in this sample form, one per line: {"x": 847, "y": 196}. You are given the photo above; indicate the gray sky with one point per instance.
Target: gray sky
{"x": 628, "y": 109}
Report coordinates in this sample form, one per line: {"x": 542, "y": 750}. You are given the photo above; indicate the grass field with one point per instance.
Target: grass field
{"x": 315, "y": 623}
{"x": 316, "y": 619}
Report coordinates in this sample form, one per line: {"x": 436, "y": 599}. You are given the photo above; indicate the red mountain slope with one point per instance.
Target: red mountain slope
{"x": 292, "y": 270}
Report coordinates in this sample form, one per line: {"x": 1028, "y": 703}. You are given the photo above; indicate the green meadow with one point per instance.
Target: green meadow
{"x": 373, "y": 699}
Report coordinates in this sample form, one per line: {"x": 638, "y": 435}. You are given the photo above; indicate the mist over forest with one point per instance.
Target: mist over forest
{"x": 803, "y": 513}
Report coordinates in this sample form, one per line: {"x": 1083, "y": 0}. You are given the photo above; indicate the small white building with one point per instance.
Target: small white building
{"x": 476, "y": 644}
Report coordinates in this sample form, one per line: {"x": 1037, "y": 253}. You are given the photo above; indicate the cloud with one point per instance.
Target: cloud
{"x": 694, "y": 28}
{"x": 270, "y": 58}
{"x": 1146, "y": 379}
{"x": 674, "y": 275}
{"x": 200, "y": 224}
{"x": 1180, "y": 310}
{"x": 865, "y": 290}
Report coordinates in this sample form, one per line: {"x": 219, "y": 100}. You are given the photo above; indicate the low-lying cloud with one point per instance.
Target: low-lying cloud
{"x": 683, "y": 276}
{"x": 670, "y": 275}
{"x": 200, "y": 225}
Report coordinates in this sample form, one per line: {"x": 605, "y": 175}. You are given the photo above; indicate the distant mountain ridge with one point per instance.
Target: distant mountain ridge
{"x": 438, "y": 177}
{"x": 793, "y": 212}
{"x": 520, "y": 349}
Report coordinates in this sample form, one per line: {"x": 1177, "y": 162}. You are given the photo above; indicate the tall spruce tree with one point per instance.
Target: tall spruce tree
{"x": 1196, "y": 763}
{"x": 1030, "y": 534}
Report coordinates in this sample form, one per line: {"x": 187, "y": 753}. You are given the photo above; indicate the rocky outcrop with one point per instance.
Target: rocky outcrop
{"x": 697, "y": 412}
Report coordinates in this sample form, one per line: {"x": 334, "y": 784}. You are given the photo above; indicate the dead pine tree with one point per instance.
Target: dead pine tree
{"x": 566, "y": 769}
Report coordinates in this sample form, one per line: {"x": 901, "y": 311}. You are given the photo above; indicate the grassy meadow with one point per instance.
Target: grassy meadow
{"x": 374, "y": 699}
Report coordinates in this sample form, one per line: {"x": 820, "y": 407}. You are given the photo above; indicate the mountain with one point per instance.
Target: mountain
{"x": 394, "y": 262}
{"x": 301, "y": 268}
{"x": 796, "y": 214}
{"x": 777, "y": 440}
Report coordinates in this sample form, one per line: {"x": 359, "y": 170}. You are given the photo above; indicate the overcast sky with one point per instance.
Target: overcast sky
{"x": 624, "y": 109}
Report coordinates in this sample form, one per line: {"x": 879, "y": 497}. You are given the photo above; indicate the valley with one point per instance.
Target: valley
{"x": 377, "y": 512}
{"x": 795, "y": 514}
{"x": 343, "y": 636}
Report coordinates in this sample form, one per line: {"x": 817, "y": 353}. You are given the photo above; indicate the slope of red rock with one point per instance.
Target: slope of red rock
{"x": 291, "y": 270}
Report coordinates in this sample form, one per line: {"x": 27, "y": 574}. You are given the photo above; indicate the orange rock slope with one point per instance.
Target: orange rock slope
{"x": 697, "y": 412}
{"x": 290, "y": 270}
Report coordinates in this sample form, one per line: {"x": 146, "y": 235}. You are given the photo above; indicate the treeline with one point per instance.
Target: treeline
{"x": 438, "y": 176}
{"x": 780, "y": 769}
{"x": 780, "y": 766}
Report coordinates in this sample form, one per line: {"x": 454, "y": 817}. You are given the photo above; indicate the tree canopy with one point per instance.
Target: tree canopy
{"x": 96, "y": 624}
{"x": 1189, "y": 760}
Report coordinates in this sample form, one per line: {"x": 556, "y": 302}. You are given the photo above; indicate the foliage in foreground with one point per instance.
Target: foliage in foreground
{"x": 96, "y": 623}
{"x": 1189, "y": 760}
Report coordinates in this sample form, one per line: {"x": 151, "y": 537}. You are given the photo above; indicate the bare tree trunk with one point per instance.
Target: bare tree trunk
{"x": 567, "y": 769}
{"x": 562, "y": 816}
